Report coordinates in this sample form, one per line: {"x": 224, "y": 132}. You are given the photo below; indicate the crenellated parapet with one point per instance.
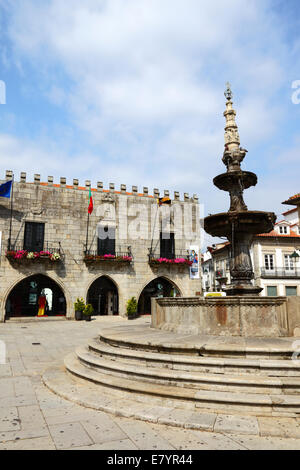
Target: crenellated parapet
{"x": 134, "y": 191}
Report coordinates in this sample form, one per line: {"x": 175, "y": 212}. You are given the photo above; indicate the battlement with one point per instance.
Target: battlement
{"x": 111, "y": 189}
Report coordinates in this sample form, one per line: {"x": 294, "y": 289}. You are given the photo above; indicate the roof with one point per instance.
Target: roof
{"x": 283, "y": 221}
{"x": 218, "y": 248}
{"x": 290, "y": 211}
{"x": 293, "y": 200}
{"x": 273, "y": 233}
{"x": 84, "y": 188}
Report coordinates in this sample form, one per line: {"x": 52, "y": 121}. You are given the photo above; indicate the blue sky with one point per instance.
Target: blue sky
{"x": 131, "y": 91}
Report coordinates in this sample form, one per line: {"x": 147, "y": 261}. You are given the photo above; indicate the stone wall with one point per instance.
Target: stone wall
{"x": 63, "y": 209}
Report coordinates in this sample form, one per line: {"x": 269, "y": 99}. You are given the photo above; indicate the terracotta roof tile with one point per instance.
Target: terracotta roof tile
{"x": 273, "y": 233}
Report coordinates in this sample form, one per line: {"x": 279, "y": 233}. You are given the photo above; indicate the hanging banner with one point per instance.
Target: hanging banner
{"x": 194, "y": 257}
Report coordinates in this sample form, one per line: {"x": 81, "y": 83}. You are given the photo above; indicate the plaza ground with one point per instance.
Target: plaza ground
{"x": 32, "y": 417}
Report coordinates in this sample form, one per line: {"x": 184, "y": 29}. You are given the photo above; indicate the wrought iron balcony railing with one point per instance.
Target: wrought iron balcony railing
{"x": 50, "y": 251}
{"x": 220, "y": 274}
{"x": 121, "y": 255}
{"x": 280, "y": 273}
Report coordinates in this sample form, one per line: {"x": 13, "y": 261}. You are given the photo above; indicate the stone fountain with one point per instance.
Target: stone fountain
{"x": 238, "y": 225}
{"x": 242, "y": 312}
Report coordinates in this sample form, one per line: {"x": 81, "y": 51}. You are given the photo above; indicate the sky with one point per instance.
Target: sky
{"x": 132, "y": 92}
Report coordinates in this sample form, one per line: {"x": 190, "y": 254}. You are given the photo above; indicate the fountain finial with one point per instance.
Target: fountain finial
{"x": 228, "y": 92}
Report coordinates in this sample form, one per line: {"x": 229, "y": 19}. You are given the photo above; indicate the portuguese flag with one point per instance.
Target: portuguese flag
{"x": 91, "y": 205}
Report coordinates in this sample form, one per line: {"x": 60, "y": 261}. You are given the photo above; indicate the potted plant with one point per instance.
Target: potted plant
{"x": 88, "y": 312}
{"x": 131, "y": 310}
{"x": 79, "y": 306}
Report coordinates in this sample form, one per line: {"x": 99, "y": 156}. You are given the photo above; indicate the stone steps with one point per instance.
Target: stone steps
{"x": 223, "y": 400}
{"x": 280, "y": 350}
{"x": 195, "y": 379}
{"x": 272, "y": 368}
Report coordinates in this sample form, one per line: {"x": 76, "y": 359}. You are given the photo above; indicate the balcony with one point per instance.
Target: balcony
{"x": 282, "y": 273}
{"x": 221, "y": 274}
{"x": 122, "y": 256}
{"x": 51, "y": 252}
{"x": 181, "y": 258}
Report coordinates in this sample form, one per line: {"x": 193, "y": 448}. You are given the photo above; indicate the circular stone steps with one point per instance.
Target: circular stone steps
{"x": 258, "y": 403}
{"x": 197, "y": 380}
{"x": 253, "y": 376}
{"x": 279, "y": 348}
{"x": 276, "y": 368}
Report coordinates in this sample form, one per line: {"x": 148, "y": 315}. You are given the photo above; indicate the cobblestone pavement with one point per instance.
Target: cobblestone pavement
{"x": 32, "y": 417}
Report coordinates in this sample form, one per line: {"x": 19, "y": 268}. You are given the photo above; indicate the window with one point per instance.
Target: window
{"x": 272, "y": 291}
{"x": 34, "y": 236}
{"x": 167, "y": 245}
{"x": 283, "y": 229}
{"x": 290, "y": 290}
{"x": 288, "y": 263}
{"x": 106, "y": 241}
{"x": 269, "y": 262}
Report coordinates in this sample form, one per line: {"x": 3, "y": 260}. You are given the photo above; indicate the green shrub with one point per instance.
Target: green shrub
{"x": 79, "y": 305}
{"x": 131, "y": 307}
{"x": 88, "y": 310}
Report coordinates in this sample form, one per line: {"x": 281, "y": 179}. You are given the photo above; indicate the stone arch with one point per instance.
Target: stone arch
{"x": 103, "y": 294}
{"x": 159, "y": 285}
{"x": 53, "y": 280}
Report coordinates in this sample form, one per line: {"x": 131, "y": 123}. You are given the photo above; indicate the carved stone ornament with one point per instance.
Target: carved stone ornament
{"x": 37, "y": 209}
{"x": 108, "y": 198}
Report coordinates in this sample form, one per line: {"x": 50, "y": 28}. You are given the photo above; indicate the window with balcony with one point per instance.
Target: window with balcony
{"x": 167, "y": 245}
{"x": 34, "y": 236}
{"x": 289, "y": 263}
{"x": 107, "y": 241}
{"x": 269, "y": 263}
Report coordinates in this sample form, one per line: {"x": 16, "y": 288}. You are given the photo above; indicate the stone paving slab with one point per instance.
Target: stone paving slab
{"x": 37, "y": 443}
{"x": 69, "y": 435}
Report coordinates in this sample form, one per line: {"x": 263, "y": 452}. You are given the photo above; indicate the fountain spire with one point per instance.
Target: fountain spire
{"x": 238, "y": 225}
{"x": 232, "y": 138}
{"x": 234, "y": 154}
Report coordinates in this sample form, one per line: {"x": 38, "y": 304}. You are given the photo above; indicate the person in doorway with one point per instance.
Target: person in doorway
{"x": 42, "y": 304}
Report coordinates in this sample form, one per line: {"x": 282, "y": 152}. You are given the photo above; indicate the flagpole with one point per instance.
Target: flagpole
{"x": 152, "y": 237}
{"x": 87, "y": 233}
{"x": 11, "y": 212}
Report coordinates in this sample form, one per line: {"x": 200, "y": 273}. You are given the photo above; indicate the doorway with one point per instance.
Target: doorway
{"x": 36, "y": 295}
{"x": 103, "y": 296}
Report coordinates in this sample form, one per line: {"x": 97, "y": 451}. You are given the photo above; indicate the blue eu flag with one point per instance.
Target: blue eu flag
{"x": 5, "y": 189}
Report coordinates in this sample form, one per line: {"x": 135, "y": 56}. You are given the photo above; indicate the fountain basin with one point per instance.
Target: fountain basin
{"x": 247, "y": 316}
{"x": 251, "y": 222}
{"x": 226, "y": 181}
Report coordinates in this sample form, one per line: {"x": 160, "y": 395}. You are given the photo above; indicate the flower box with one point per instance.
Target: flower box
{"x": 109, "y": 258}
{"x": 24, "y": 255}
{"x": 170, "y": 262}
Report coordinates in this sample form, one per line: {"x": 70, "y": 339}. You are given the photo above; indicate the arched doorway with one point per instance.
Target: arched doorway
{"x": 103, "y": 295}
{"x": 36, "y": 295}
{"x": 159, "y": 287}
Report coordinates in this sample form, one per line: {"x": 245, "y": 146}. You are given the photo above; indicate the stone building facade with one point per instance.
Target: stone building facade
{"x": 275, "y": 258}
{"x": 133, "y": 247}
